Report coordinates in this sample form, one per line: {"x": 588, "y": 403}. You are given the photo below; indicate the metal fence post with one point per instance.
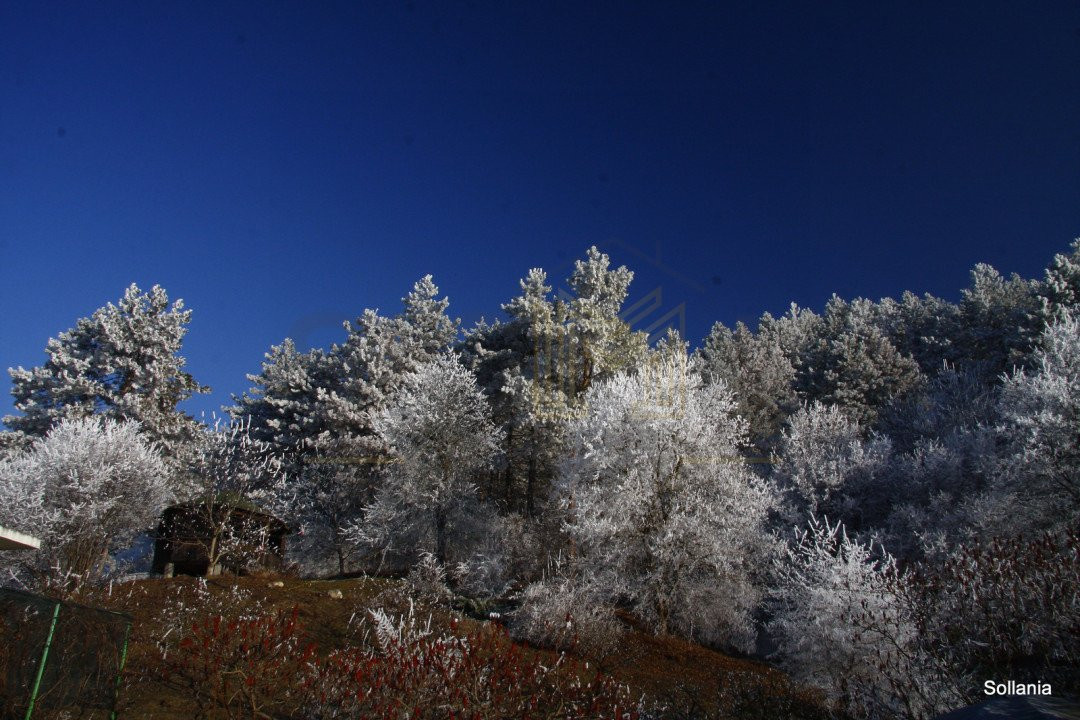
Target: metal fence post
{"x": 120, "y": 671}
{"x": 41, "y": 663}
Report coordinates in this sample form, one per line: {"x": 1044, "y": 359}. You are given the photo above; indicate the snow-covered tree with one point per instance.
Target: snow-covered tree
{"x": 495, "y": 353}
{"x": 924, "y": 328}
{"x": 1040, "y": 417}
{"x": 756, "y": 368}
{"x": 13, "y": 443}
{"x": 301, "y": 402}
{"x": 282, "y": 406}
{"x": 1059, "y": 292}
{"x": 123, "y": 363}
{"x": 827, "y": 467}
{"x": 852, "y": 363}
{"x": 536, "y": 367}
{"x": 577, "y": 340}
{"x": 663, "y": 510}
{"x": 85, "y": 489}
{"x": 953, "y": 400}
{"x": 318, "y": 410}
{"x": 841, "y": 622}
{"x": 796, "y": 331}
{"x": 442, "y": 437}
{"x": 330, "y": 490}
{"x": 1000, "y": 322}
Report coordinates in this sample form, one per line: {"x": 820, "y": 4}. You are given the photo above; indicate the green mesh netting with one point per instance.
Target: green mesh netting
{"x": 78, "y": 678}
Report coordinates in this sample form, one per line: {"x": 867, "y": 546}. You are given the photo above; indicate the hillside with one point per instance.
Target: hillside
{"x": 687, "y": 680}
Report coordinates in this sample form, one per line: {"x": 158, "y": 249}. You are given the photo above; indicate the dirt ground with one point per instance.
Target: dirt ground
{"x": 679, "y": 678}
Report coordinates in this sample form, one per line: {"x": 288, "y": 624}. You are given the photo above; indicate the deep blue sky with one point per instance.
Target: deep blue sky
{"x": 282, "y": 167}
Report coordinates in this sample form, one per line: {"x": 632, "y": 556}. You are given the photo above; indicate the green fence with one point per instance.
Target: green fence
{"x": 59, "y": 659}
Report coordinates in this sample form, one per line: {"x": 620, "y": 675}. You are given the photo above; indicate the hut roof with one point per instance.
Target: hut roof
{"x": 234, "y": 502}
{"x": 13, "y": 540}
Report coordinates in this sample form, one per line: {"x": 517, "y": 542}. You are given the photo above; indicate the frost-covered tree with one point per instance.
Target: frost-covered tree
{"x": 13, "y": 443}
{"x": 1059, "y": 292}
{"x": 924, "y": 328}
{"x": 380, "y": 352}
{"x": 1000, "y": 322}
{"x": 318, "y": 410}
{"x": 442, "y": 437}
{"x": 301, "y": 402}
{"x": 495, "y": 353}
{"x": 1040, "y": 417}
{"x": 123, "y": 362}
{"x": 842, "y": 622}
{"x": 852, "y": 363}
{"x": 330, "y": 490}
{"x": 537, "y": 366}
{"x": 85, "y": 489}
{"x": 796, "y": 331}
{"x": 828, "y": 467}
{"x": 580, "y": 339}
{"x": 756, "y": 369}
{"x": 282, "y": 406}
{"x": 952, "y": 401}
{"x": 663, "y": 511}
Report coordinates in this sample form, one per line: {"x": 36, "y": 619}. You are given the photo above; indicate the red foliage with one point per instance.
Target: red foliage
{"x": 262, "y": 667}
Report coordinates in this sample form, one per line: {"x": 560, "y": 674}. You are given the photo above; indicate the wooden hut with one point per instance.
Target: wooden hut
{"x": 241, "y": 537}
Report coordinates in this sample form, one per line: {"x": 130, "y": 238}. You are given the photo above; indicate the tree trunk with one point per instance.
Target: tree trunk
{"x": 530, "y": 485}
{"x": 440, "y": 536}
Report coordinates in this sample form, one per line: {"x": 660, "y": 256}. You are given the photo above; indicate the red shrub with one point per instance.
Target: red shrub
{"x": 263, "y": 668}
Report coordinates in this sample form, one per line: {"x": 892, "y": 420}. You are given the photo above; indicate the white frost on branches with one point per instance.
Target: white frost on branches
{"x": 842, "y": 623}
{"x": 122, "y": 362}
{"x": 441, "y": 431}
{"x": 85, "y": 489}
{"x": 662, "y": 508}
{"x": 1040, "y": 417}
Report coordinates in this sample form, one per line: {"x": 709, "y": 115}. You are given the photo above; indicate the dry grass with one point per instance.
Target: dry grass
{"x": 688, "y": 680}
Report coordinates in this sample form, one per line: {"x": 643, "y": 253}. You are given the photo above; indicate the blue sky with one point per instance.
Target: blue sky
{"x": 281, "y": 166}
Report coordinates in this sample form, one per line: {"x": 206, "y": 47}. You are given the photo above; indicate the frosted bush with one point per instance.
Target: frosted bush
{"x": 427, "y": 580}
{"x": 85, "y": 489}
{"x": 562, "y": 613}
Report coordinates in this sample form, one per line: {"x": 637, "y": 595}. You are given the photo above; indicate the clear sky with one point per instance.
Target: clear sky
{"x": 281, "y": 166}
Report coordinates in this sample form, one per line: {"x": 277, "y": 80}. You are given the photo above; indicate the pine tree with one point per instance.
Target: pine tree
{"x": 318, "y": 410}
{"x": 1059, "y": 292}
{"x": 758, "y": 372}
{"x": 568, "y": 345}
{"x": 1000, "y": 322}
{"x": 122, "y": 363}
{"x": 281, "y": 408}
{"x": 925, "y": 328}
{"x": 852, "y": 363}
{"x": 304, "y": 402}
